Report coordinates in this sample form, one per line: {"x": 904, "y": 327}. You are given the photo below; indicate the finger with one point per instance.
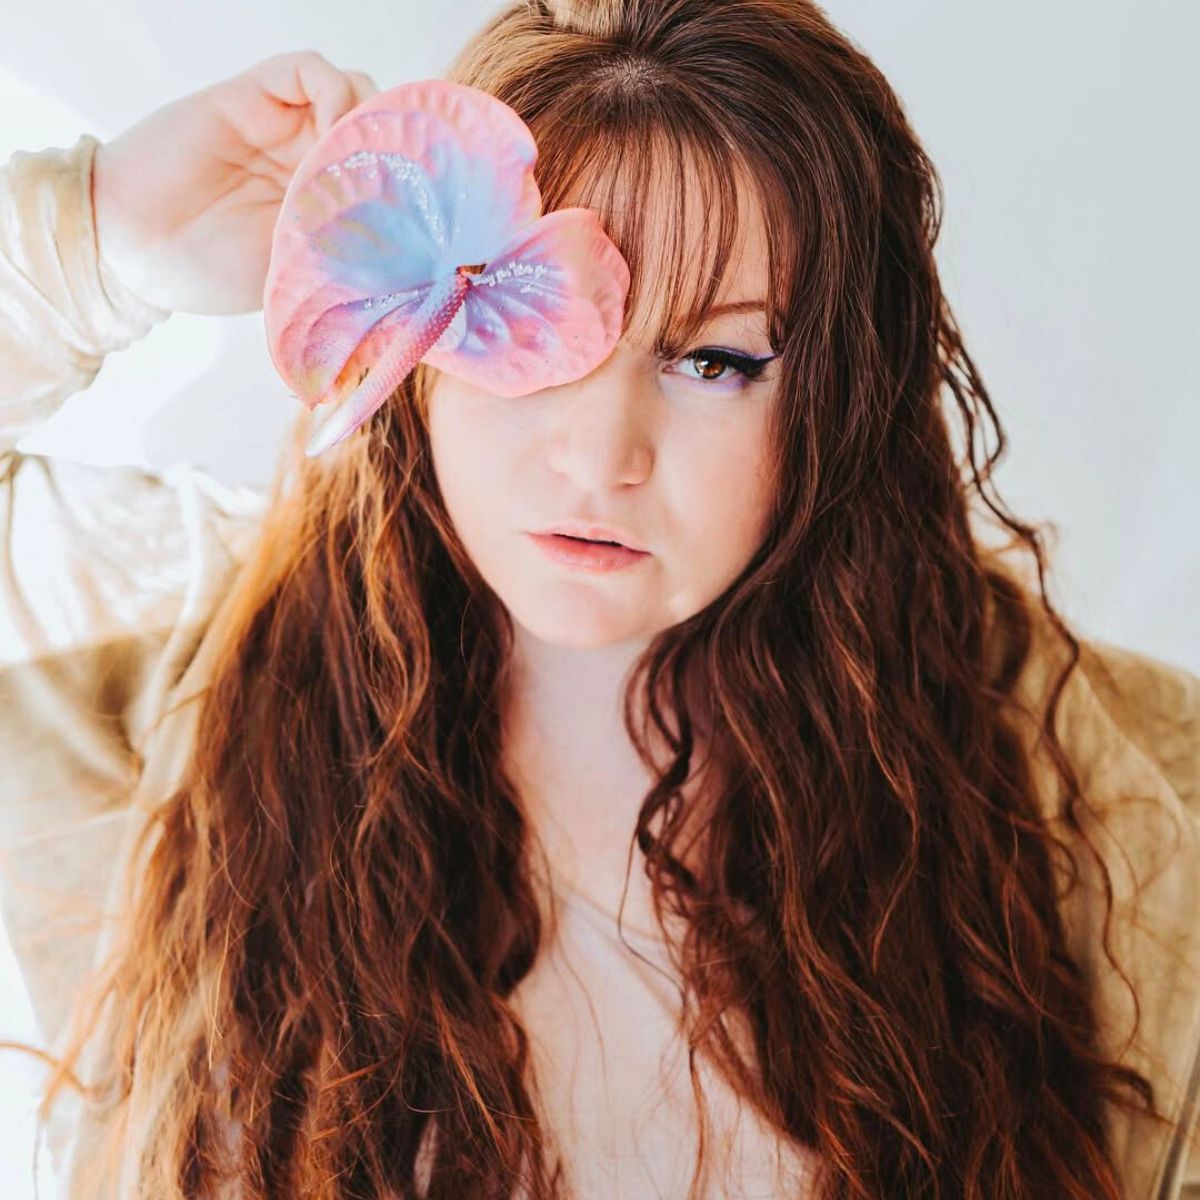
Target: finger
{"x": 307, "y": 77}
{"x": 364, "y": 86}
{"x": 330, "y": 91}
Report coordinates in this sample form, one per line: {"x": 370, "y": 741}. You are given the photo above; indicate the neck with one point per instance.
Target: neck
{"x": 579, "y": 778}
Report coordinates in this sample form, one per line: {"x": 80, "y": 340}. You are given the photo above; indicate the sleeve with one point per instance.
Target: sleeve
{"x": 109, "y": 577}
{"x": 1131, "y": 725}
{"x": 61, "y": 308}
{"x": 1156, "y": 705}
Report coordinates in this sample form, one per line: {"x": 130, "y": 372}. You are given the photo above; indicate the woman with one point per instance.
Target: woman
{"x": 392, "y": 766}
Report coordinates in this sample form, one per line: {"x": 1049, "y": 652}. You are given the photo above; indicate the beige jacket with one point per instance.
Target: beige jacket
{"x": 112, "y": 578}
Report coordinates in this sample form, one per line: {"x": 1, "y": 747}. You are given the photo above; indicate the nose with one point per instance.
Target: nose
{"x": 601, "y": 426}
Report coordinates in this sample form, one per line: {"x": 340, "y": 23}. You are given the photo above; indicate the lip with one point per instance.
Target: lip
{"x": 602, "y": 533}
{"x": 581, "y": 556}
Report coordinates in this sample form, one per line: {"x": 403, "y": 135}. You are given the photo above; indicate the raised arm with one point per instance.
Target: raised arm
{"x": 101, "y": 241}
{"x": 110, "y": 576}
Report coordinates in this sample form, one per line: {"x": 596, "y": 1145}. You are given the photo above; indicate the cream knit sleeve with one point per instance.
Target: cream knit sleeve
{"x": 61, "y": 309}
{"x": 109, "y": 579}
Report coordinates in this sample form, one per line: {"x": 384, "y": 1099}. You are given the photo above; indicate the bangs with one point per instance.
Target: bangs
{"x": 673, "y": 201}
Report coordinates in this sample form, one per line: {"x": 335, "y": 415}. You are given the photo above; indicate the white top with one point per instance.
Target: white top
{"x": 603, "y": 1016}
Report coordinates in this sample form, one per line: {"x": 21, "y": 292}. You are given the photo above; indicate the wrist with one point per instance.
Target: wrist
{"x": 117, "y": 279}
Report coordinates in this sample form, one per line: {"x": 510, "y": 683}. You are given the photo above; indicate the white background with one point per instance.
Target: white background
{"x": 1065, "y": 135}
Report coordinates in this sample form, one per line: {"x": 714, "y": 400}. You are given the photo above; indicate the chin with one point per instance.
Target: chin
{"x": 578, "y": 627}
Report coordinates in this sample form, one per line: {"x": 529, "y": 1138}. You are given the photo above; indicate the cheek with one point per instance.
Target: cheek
{"x": 727, "y": 489}
{"x": 476, "y": 449}
{"x": 465, "y": 454}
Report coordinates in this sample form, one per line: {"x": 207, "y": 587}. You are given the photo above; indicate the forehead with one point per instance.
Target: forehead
{"x": 690, "y": 225}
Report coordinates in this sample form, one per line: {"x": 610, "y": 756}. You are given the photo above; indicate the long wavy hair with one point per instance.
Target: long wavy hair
{"x": 328, "y": 916}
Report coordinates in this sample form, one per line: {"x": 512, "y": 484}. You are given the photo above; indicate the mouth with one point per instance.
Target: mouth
{"x": 587, "y": 554}
{"x": 589, "y": 541}
{"x": 592, "y": 534}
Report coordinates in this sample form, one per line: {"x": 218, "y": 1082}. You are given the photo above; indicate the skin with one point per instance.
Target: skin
{"x": 186, "y": 200}
{"x": 677, "y": 460}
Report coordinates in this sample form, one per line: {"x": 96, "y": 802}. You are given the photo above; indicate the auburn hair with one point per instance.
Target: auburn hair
{"x": 327, "y": 917}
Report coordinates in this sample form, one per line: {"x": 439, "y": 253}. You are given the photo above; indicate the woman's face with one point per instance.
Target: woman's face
{"x": 675, "y": 453}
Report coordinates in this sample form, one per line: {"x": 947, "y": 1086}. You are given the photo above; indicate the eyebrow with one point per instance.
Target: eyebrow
{"x": 665, "y": 349}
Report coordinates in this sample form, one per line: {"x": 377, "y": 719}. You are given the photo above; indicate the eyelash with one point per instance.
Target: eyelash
{"x": 749, "y": 368}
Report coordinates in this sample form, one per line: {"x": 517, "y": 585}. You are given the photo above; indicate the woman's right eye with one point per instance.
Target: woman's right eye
{"x": 713, "y": 365}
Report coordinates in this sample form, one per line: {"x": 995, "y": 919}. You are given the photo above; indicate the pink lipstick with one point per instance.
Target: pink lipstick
{"x": 584, "y": 555}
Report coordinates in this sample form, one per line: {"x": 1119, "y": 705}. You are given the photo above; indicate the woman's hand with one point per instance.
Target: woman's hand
{"x": 186, "y": 200}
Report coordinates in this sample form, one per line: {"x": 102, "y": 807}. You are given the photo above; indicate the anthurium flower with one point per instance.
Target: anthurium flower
{"x": 412, "y": 231}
